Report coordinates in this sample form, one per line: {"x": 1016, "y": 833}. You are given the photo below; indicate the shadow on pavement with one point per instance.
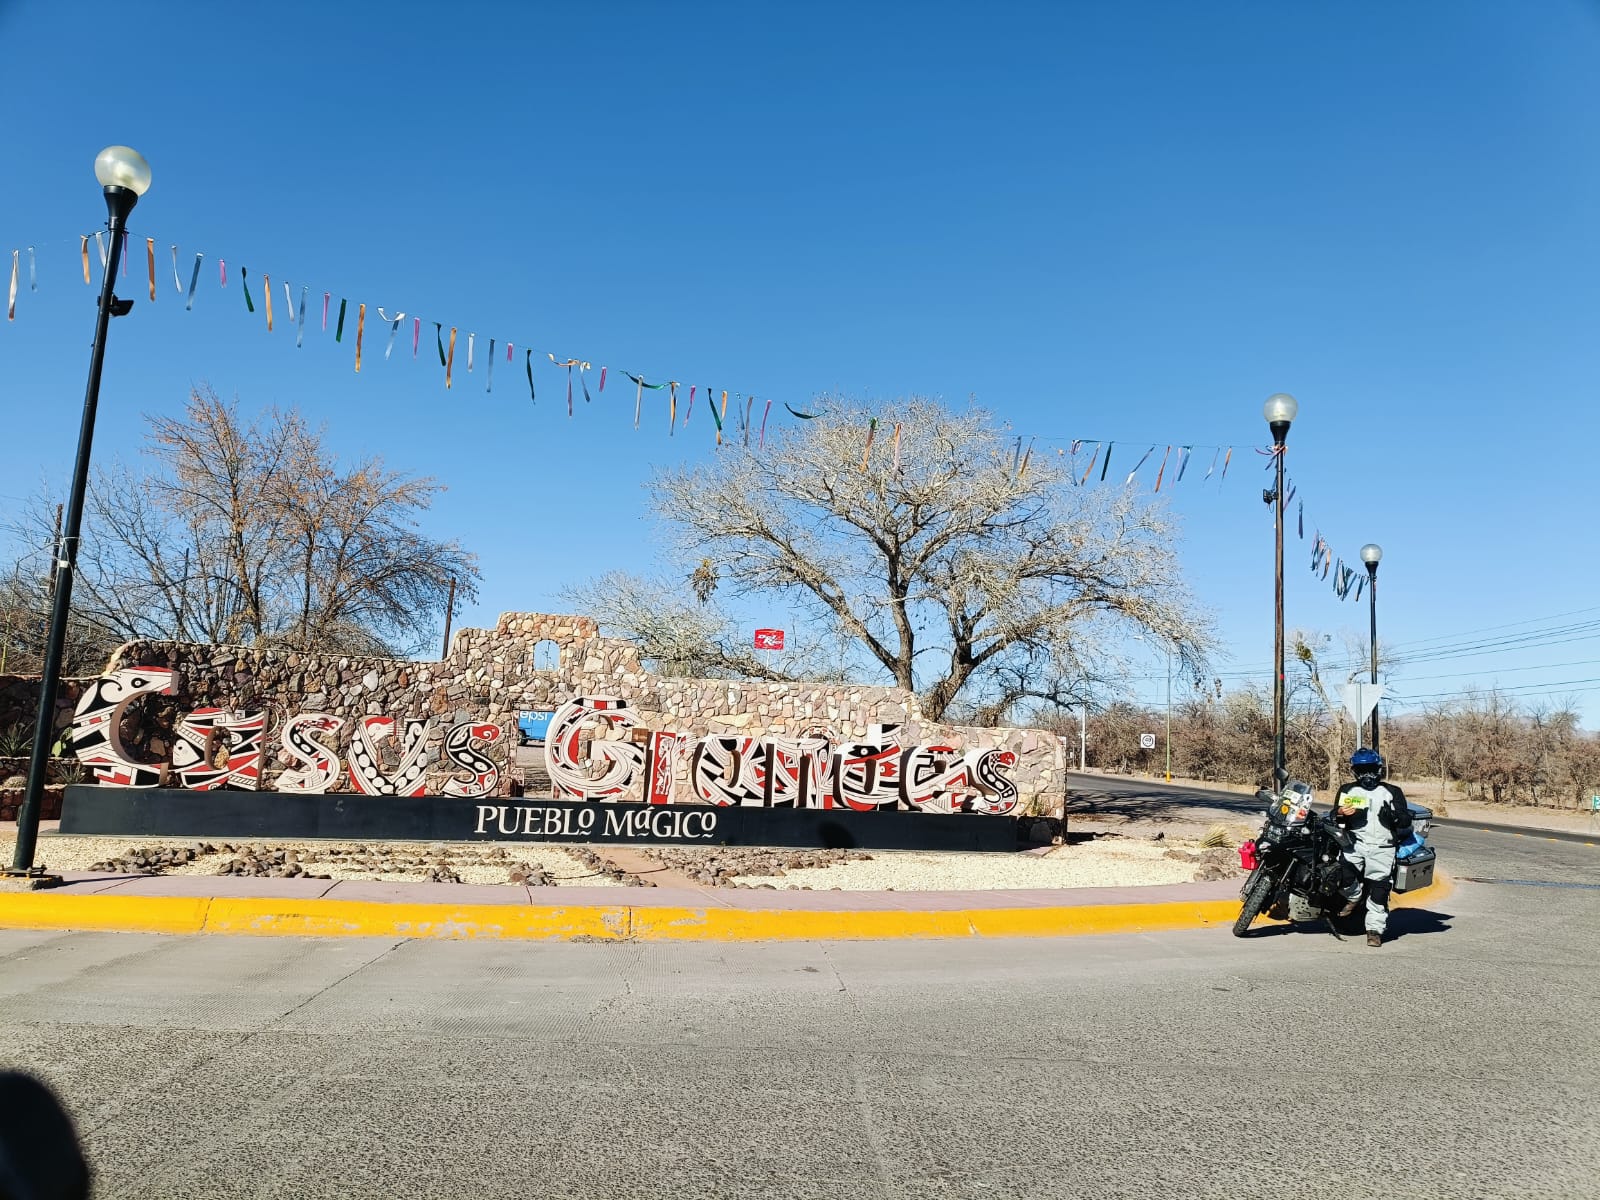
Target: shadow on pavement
{"x": 1403, "y": 922}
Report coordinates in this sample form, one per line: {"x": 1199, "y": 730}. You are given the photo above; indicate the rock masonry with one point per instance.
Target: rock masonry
{"x": 540, "y": 661}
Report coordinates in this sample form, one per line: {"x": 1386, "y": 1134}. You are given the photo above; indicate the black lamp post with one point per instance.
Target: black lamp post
{"x": 125, "y": 176}
{"x": 1280, "y": 411}
{"x": 1370, "y": 554}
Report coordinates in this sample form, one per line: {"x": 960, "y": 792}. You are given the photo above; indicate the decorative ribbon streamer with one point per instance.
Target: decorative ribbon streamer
{"x": 489, "y": 382}
{"x": 866, "y": 451}
{"x": 100, "y": 244}
{"x": 438, "y": 341}
{"x": 266, "y": 289}
{"x": 194, "y": 283}
{"x": 1022, "y": 471}
{"x": 638, "y": 397}
{"x": 33, "y": 272}
{"x": 325, "y": 297}
{"x": 394, "y": 328}
{"x": 672, "y": 408}
{"x": 300, "y": 329}
{"x": 416, "y": 335}
{"x": 177, "y": 280}
{"x": 584, "y": 382}
{"x": 1215, "y": 454}
{"x": 471, "y": 337}
{"x": 338, "y": 331}
{"x": 150, "y": 254}
{"x": 1016, "y": 456}
{"x": 508, "y": 351}
{"x": 1090, "y": 468}
{"x": 569, "y": 364}
{"x": 244, "y": 282}
{"x": 222, "y": 271}
{"x": 1302, "y": 520}
{"x": 1106, "y": 466}
{"x": 288, "y": 300}
{"x": 1077, "y": 444}
{"x": 767, "y": 410}
{"x": 1137, "y": 465}
{"x": 602, "y": 379}
{"x": 85, "y": 249}
{"x": 361, "y": 328}
{"x": 793, "y": 412}
{"x": 723, "y": 417}
{"x": 689, "y": 412}
{"x": 749, "y": 407}
{"x": 896, "y": 446}
{"x": 527, "y": 362}
{"x": 450, "y": 362}
{"x": 1361, "y": 582}
{"x": 1226, "y": 460}
{"x": 11, "y": 304}
{"x": 1163, "y": 469}
{"x": 1183, "y": 463}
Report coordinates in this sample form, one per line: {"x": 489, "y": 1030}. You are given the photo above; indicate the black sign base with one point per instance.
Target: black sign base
{"x": 237, "y": 815}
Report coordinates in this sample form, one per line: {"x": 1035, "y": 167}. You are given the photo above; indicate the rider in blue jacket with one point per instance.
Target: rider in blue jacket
{"x": 1377, "y": 815}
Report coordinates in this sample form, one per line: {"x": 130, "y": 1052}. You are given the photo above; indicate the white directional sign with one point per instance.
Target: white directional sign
{"x": 1360, "y": 699}
{"x": 1147, "y": 741}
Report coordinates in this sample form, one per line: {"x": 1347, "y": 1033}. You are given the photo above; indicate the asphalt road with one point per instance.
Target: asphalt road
{"x": 1461, "y": 1060}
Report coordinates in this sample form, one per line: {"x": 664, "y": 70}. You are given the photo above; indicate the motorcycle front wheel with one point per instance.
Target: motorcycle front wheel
{"x": 1255, "y": 899}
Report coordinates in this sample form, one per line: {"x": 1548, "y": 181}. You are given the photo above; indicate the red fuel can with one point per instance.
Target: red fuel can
{"x": 1247, "y": 856}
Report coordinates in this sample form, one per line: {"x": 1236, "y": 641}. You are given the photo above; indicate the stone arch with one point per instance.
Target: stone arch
{"x": 546, "y": 655}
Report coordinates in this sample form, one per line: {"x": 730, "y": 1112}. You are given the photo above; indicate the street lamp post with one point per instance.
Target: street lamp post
{"x": 1370, "y": 554}
{"x": 1280, "y": 411}
{"x": 125, "y": 176}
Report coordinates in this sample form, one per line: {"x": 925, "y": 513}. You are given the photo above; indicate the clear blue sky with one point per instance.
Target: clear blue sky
{"x": 1131, "y": 221}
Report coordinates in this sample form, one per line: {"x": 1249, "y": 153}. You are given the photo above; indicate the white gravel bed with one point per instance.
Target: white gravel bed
{"x": 1104, "y": 862}
{"x": 411, "y": 861}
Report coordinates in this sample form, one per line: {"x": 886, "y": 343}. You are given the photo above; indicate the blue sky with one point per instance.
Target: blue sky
{"x": 1127, "y": 221}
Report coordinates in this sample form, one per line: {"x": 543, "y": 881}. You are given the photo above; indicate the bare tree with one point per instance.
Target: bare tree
{"x": 940, "y": 555}
{"x": 676, "y": 637}
{"x": 251, "y": 531}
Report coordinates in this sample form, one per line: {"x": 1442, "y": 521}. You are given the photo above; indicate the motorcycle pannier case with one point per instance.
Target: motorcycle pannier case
{"x": 1415, "y": 872}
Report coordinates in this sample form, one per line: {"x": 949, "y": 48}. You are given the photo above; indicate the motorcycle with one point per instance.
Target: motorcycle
{"x": 1297, "y": 865}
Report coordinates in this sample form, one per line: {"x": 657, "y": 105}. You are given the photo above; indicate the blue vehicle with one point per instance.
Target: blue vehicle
{"x": 532, "y": 727}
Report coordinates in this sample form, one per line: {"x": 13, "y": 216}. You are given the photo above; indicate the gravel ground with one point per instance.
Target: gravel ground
{"x": 386, "y": 861}
{"x": 1104, "y": 862}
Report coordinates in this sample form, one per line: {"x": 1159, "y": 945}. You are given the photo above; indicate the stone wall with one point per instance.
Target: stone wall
{"x": 491, "y": 675}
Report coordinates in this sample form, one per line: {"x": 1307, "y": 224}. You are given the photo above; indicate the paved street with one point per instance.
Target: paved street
{"x": 1461, "y": 1060}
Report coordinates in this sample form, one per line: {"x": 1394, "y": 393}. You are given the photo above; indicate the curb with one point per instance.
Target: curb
{"x": 603, "y": 922}
{"x": 612, "y": 922}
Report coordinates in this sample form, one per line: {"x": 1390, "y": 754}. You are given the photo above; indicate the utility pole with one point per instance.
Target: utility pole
{"x": 449, "y": 611}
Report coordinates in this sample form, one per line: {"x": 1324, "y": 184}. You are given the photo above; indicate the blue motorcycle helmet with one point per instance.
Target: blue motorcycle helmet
{"x": 1367, "y": 766}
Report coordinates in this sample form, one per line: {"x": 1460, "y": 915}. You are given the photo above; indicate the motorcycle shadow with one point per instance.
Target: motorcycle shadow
{"x": 1403, "y": 922}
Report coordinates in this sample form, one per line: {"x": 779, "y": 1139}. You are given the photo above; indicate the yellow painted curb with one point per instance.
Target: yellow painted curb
{"x": 129, "y": 914}
{"x": 607, "y": 922}
{"x": 1441, "y": 887}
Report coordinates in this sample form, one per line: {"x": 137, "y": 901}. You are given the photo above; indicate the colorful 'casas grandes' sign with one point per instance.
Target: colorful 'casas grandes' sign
{"x": 595, "y": 749}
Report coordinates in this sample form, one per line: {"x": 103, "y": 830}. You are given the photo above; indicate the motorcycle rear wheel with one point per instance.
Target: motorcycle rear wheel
{"x": 1255, "y": 899}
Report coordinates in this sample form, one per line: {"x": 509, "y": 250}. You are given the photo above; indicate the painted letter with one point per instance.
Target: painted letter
{"x": 458, "y": 748}
{"x": 317, "y": 766}
{"x": 96, "y": 734}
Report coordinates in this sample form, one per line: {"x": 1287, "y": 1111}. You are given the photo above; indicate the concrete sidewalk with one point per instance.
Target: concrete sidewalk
{"x": 312, "y": 907}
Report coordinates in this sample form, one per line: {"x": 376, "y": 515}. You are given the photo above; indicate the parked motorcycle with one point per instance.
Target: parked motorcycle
{"x": 1297, "y": 865}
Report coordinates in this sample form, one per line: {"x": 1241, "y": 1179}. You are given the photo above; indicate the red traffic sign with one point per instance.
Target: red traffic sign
{"x": 769, "y": 639}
